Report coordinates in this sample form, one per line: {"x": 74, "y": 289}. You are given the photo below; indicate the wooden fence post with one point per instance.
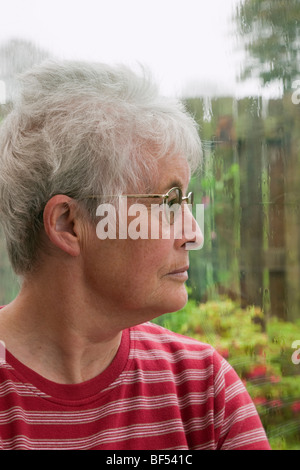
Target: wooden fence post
{"x": 275, "y": 255}
{"x": 251, "y": 228}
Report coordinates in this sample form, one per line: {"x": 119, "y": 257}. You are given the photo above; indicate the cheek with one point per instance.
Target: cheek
{"x": 120, "y": 263}
{"x": 131, "y": 274}
{"x": 141, "y": 272}
{"x": 151, "y": 286}
{"x": 147, "y": 262}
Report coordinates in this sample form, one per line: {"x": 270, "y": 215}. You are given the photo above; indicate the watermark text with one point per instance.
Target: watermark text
{"x": 296, "y": 93}
{"x": 296, "y": 354}
{"x": 2, "y": 92}
{"x": 158, "y": 221}
{"x": 2, "y": 352}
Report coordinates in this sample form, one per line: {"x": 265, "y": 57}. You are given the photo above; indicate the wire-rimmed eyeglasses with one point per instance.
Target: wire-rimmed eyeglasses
{"x": 171, "y": 200}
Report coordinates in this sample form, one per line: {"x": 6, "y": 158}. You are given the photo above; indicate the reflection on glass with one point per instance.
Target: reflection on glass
{"x": 247, "y": 275}
{"x": 244, "y": 283}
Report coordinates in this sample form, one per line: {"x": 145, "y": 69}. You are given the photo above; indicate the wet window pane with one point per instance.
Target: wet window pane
{"x": 244, "y": 295}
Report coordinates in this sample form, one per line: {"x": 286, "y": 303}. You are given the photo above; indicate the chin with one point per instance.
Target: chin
{"x": 175, "y": 301}
{"x": 170, "y": 301}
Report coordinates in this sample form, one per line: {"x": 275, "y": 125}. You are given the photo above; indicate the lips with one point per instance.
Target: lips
{"x": 179, "y": 274}
{"x": 180, "y": 270}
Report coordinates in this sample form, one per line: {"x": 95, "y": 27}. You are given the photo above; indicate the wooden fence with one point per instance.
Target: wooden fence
{"x": 251, "y": 180}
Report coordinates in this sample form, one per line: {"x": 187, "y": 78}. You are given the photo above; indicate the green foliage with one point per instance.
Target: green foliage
{"x": 261, "y": 354}
{"x": 270, "y": 29}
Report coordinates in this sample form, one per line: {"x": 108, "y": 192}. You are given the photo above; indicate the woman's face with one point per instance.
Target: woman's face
{"x": 136, "y": 277}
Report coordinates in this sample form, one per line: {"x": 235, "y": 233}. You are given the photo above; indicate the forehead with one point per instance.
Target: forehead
{"x": 173, "y": 171}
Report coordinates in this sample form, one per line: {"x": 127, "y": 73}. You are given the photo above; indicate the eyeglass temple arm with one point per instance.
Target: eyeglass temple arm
{"x": 144, "y": 195}
{"x": 128, "y": 195}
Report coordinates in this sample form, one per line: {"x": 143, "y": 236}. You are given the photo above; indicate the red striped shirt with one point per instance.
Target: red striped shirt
{"x": 162, "y": 391}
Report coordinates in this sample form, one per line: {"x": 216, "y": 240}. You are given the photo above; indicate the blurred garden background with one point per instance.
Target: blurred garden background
{"x": 244, "y": 295}
{"x": 244, "y": 283}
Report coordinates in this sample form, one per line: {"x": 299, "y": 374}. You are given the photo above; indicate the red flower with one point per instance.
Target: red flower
{"x": 296, "y": 407}
{"x": 275, "y": 379}
{"x": 275, "y": 403}
{"x": 205, "y": 201}
{"x": 259, "y": 400}
{"x": 257, "y": 371}
{"x": 224, "y": 352}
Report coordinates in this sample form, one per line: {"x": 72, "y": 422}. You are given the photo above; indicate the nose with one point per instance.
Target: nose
{"x": 190, "y": 231}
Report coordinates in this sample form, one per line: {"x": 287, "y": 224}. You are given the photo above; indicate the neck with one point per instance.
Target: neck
{"x": 65, "y": 337}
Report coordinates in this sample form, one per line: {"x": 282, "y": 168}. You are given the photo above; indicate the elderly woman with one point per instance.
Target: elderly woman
{"x": 84, "y": 368}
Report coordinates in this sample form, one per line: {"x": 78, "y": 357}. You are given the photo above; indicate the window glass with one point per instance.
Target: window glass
{"x": 235, "y": 64}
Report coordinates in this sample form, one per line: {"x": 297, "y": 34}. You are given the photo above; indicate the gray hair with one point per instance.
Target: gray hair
{"x": 82, "y": 129}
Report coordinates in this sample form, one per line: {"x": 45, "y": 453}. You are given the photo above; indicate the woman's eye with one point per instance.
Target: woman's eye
{"x": 173, "y": 201}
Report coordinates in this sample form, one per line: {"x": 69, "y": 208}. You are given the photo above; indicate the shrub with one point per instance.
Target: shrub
{"x": 260, "y": 352}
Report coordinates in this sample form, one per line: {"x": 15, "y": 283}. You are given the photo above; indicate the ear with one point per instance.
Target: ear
{"x": 62, "y": 224}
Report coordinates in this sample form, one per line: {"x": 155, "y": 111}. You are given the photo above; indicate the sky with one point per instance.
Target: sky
{"x": 189, "y": 45}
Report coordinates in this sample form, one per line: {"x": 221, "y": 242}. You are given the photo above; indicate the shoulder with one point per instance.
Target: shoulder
{"x": 153, "y": 340}
{"x": 178, "y": 352}
{"x": 202, "y": 376}
{"x": 160, "y": 336}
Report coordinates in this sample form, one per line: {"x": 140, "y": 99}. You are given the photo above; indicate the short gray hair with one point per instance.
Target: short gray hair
{"x": 82, "y": 129}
